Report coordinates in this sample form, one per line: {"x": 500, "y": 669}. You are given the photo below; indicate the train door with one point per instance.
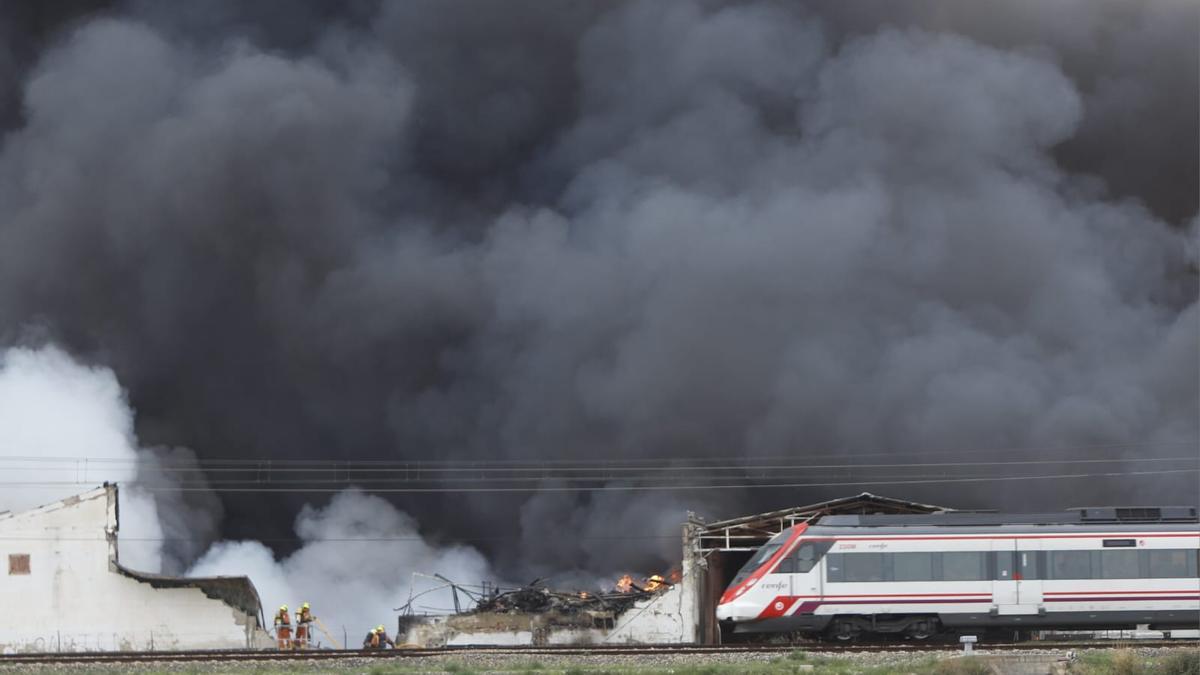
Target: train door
{"x": 1004, "y": 575}
{"x": 1029, "y": 581}
{"x": 1016, "y": 586}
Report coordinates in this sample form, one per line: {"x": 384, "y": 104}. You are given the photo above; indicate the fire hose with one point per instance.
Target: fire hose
{"x": 327, "y": 633}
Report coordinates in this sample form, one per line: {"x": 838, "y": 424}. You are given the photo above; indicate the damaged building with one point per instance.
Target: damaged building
{"x": 63, "y": 574}
{"x": 682, "y": 610}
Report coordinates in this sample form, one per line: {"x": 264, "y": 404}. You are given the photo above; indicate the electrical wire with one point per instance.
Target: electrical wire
{"x": 266, "y": 488}
{"x": 203, "y": 463}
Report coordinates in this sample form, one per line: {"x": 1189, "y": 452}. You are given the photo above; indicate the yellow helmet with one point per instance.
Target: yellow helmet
{"x": 304, "y": 606}
{"x": 379, "y": 629}
{"x": 283, "y": 608}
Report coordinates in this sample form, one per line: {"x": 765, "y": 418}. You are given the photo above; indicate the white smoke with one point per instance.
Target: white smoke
{"x": 356, "y": 565}
{"x": 66, "y": 427}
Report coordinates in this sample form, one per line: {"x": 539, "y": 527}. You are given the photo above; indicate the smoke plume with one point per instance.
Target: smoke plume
{"x": 525, "y": 231}
{"x": 66, "y": 427}
{"x": 359, "y": 560}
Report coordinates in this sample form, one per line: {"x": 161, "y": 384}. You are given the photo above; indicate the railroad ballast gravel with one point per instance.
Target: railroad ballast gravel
{"x": 492, "y": 661}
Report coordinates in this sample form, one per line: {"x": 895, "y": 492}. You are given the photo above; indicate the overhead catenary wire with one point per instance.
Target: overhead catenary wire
{"x": 618, "y": 487}
{"x": 352, "y": 467}
{"x": 209, "y": 463}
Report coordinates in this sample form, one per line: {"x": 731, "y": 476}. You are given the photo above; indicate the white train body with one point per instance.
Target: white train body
{"x": 922, "y": 574}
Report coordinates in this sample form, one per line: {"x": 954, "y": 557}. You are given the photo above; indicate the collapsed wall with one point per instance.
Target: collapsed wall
{"x": 666, "y": 616}
{"x": 64, "y": 589}
{"x": 659, "y": 618}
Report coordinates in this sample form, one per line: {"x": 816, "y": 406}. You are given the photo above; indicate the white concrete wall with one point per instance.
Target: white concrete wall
{"x": 664, "y": 618}
{"x": 74, "y": 600}
{"x": 669, "y": 617}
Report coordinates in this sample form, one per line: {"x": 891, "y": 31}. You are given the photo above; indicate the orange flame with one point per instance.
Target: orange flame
{"x": 655, "y": 583}
{"x": 674, "y": 576}
{"x": 625, "y": 584}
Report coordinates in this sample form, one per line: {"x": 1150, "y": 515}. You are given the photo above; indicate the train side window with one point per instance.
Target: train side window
{"x": 1116, "y": 564}
{"x": 1171, "y": 563}
{"x": 1003, "y": 566}
{"x": 1031, "y": 563}
{"x": 964, "y": 566}
{"x": 1070, "y": 565}
{"x": 863, "y": 567}
{"x": 804, "y": 558}
{"x": 834, "y": 570}
{"x": 912, "y": 566}
{"x": 809, "y": 554}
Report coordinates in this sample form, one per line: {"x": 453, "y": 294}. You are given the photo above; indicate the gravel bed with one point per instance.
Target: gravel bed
{"x": 484, "y": 662}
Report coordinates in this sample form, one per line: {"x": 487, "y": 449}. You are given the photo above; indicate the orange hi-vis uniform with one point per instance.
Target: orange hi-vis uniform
{"x": 283, "y": 629}
{"x": 304, "y": 619}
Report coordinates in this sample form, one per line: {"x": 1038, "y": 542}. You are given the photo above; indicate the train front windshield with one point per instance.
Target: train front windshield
{"x": 764, "y": 554}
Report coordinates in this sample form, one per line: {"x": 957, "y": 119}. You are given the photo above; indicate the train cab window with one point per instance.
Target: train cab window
{"x": 1116, "y": 564}
{"x": 1171, "y": 563}
{"x": 1070, "y": 564}
{"x": 764, "y": 554}
{"x": 964, "y": 566}
{"x": 912, "y": 567}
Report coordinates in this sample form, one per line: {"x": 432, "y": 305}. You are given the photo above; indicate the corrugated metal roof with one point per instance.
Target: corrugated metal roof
{"x": 749, "y": 532}
{"x": 844, "y": 505}
{"x": 237, "y": 592}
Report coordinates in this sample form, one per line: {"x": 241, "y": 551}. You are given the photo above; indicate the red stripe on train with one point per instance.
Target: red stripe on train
{"x": 1109, "y": 598}
{"x": 1182, "y": 590}
{"x": 1127, "y": 535}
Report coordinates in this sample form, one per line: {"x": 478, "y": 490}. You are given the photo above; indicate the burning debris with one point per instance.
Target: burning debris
{"x": 536, "y": 598}
{"x": 652, "y": 584}
{"x": 539, "y": 600}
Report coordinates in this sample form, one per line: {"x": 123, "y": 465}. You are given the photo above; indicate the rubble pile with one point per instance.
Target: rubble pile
{"x": 537, "y": 600}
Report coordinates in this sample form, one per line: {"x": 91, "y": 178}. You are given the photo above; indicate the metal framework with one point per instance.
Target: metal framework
{"x": 749, "y": 532}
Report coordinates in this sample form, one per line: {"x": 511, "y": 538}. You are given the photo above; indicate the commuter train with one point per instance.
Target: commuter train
{"x": 920, "y": 575}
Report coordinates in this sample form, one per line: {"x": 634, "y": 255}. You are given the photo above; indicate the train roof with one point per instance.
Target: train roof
{"x": 1110, "y": 517}
{"x": 1001, "y": 530}
{"x": 1107, "y": 519}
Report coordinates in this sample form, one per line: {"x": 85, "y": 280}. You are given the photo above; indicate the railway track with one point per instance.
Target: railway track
{"x": 564, "y": 650}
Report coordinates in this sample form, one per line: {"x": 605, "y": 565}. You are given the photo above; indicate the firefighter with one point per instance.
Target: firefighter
{"x": 378, "y": 639}
{"x": 304, "y": 621}
{"x": 283, "y": 628}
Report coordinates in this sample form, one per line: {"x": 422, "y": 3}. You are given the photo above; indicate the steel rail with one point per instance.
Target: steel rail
{"x": 563, "y": 650}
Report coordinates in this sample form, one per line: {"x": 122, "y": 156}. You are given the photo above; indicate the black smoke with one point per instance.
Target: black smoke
{"x": 550, "y": 230}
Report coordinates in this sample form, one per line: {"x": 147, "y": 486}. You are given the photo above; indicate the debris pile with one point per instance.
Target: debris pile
{"x": 536, "y": 599}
